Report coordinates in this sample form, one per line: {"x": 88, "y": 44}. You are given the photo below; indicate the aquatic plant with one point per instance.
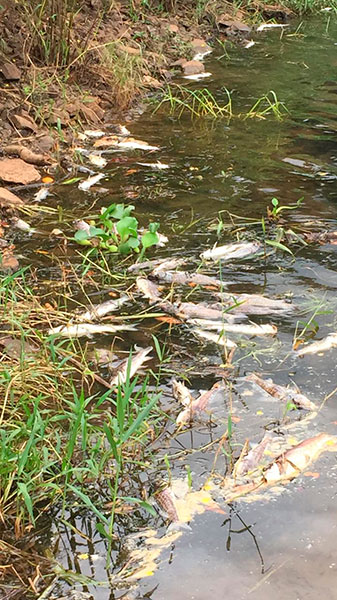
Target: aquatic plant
{"x": 199, "y": 103}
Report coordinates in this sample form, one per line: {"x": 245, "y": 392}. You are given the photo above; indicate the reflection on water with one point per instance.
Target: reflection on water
{"x": 283, "y": 547}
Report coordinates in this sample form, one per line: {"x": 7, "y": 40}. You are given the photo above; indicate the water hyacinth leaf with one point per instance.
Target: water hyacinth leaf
{"x": 149, "y": 239}
{"x": 146, "y": 505}
{"x": 96, "y": 231}
{"x": 127, "y": 226}
{"x": 81, "y": 236}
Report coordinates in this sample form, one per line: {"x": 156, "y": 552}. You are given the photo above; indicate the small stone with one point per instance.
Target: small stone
{"x": 46, "y": 143}
{"x": 173, "y": 28}
{"x": 7, "y": 198}
{"x": 9, "y": 263}
{"x": 16, "y": 170}
{"x": 152, "y": 82}
{"x": 92, "y": 112}
{"x": 193, "y": 67}
{"x": 10, "y": 72}
{"x": 23, "y": 122}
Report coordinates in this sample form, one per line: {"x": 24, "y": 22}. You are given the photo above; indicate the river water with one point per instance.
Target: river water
{"x": 283, "y": 544}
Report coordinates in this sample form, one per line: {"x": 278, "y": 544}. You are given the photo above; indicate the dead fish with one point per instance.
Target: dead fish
{"x": 22, "y": 225}
{"x": 254, "y": 304}
{"x": 248, "y": 44}
{"x": 132, "y": 144}
{"x": 81, "y": 225}
{"x": 41, "y": 194}
{"x": 253, "y": 458}
{"x": 250, "y": 329}
{"x": 221, "y": 339}
{"x": 230, "y": 251}
{"x": 282, "y": 393}
{"x": 197, "y": 76}
{"x": 97, "y": 160}
{"x": 160, "y": 263}
{"x": 149, "y": 289}
{"x": 185, "y": 278}
{"x": 158, "y": 165}
{"x": 165, "y": 499}
{"x": 93, "y": 133}
{"x": 202, "y": 312}
{"x": 137, "y": 360}
{"x": 100, "y": 310}
{"x": 199, "y": 405}
{"x": 295, "y": 460}
{"x": 321, "y": 346}
{"x": 181, "y": 393}
{"x": 323, "y": 237}
{"x": 201, "y": 55}
{"x": 88, "y": 329}
{"x": 271, "y": 26}
{"x": 88, "y": 183}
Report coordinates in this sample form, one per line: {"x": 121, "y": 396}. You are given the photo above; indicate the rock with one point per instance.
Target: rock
{"x": 27, "y": 155}
{"x": 15, "y": 170}
{"x": 152, "y": 82}
{"x": 10, "y": 72}
{"x": 7, "y": 198}
{"x": 200, "y": 47}
{"x": 132, "y": 51}
{"x": 46, "y": 143}
{"x": 192, "y": 67}
{"x": 179, "y": 62}
{"x": 92, "y": 112}
{"x": 24, "y": 122}
{"x": 233, "y": 25}
{"x": 8, "y": 263}
{"x": 173, "y": 28}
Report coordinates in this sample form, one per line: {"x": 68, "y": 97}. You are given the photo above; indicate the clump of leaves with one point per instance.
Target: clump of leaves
{"x": 115, "y": 230}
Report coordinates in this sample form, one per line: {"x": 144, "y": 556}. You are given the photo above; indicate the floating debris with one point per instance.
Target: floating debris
{"x": 137, "y": 360}
{"x": 87, "y": 329}
{"x": 321, "y": 346}
{"x": 231, "y": 251}
{"x": 100, "y": 310}
{"x": 97, "y": 160}
{"x": 158, "y": 165}
{"x": 181, "y": 393}
{"x": 93, "y": 133}
{"x": 197, "y": 76}
{"x": 88, "y": 183}
{"x": 282, "y": 393}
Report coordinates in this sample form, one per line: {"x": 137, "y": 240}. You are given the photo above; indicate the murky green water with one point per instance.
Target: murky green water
{"x": 238, "y": 166}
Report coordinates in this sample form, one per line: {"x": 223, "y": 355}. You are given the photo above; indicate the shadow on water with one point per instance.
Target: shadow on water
{"x": 283, "y": 545}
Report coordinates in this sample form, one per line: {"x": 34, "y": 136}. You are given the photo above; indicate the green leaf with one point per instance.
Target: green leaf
{"x": 149, "y": 239}
{"x": 275, "y": 202}
{"x": 153, "y": 227}
{"x": 88, "y": 503}
{"x": 96, "y": 231}
{"x": 27, "y": 499}
{"x": 72, "y": 180}
{"x": 81, "y": 235}
{"x": 133, "y": 242}
{"x": 126, "y": 227}
{"x": 146, "y": 505}
{"x": 279, "y": 246}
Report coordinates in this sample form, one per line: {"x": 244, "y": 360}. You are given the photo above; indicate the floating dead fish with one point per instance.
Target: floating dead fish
{"x": 97, "y": 160}
{"x": 295, "y": 460}
{"x": 254, "y": 304}
{"x": 184, "y": 278}
{"x": 199, "y": 405}
{"x": 165, "y": 499}
{"x": 181, "y": 393}
{"x": 160, "y": 263}
{"x": 149, "y": 289}
{"x": 22, "y": 225}
{"x": 197, "y": 76}
{"x": 158, "y": 165}
{"x": 201, "y": 55}
{"x": 220, "y": 339}
{"x": 41, "y": 194}
{"x": 124, "y": 144}
{"x": 189, "y": 310}
{"x": 87, "y": 329}
{"x": 284, "y": 394}
{"x": 137, "y": 360}
{"x": 231, "y": 251}
{"x": 93, "y": 133}
{"x": 321, "y": 346}
{"x": 249, "y": 44}
{"x": 88, "y": 183}
{"x": 251, "y": 461}
{"x": 264, "y": 26}
{"x": 100, "y": 310}
{"x": 323, "y": 237}
{"x": 249, "y": 329}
